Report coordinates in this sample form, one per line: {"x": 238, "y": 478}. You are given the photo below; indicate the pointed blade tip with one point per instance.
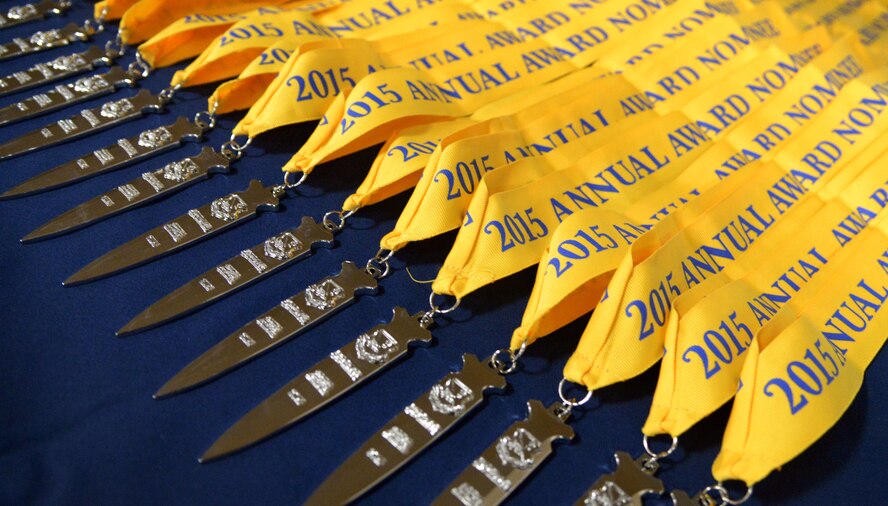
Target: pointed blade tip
{"x": 130, "y": 328}
{"x": 33, "y": 236}
{"x": 165, "y": 391}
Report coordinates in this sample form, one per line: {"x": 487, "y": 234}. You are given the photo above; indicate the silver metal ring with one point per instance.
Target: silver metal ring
{"x": 167, "y": 93}
{"x": 337, "y": 224}
{"x": 238, "y": 146}
{"x": 437, "y": 309}
{"x": 287, "y": 175}
{"x": 572, "y": 402}
{"x": 205, "y": 120}
{"x": 377, "y": 269}
{"x": 661, "y": 455}
{"x": 378, "y": 266}
{"x": 500, "y": 366}
{"x": 381, "y": 255}
{"x": 726, "y": 498}
{"x": 709, "y": 495}
{"x": 139, "y": 68}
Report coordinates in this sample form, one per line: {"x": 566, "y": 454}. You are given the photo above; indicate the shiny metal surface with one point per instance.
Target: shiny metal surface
{"x": 186, "y": 230}
{"x": 289, "y": 318}
{"x": 329, "y": 379}
{"x": 422, "y": 423}
{"x": 252, "y": 264}
{"x": 88, "y": 122}
{"x": 510, "y": 460}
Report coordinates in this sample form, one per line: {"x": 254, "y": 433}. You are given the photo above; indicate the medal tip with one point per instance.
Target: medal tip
{"x": 127, "y": 329}
{"x": 31, "y": 237}
{"x": 213, "y": 453}
{"x": 165, "y": 391}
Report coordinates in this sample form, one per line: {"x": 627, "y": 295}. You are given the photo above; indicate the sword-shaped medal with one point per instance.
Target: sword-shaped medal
{"x": 329, "y": 379}
{"x": 124, "y": 152}
{"x": 143, "y": 189}
{"x": 21, "y": 14}
{"x": 289, "y": 318}
{"x": 64, "y": 95}
{"x": 417, "y": 427}
{"x": 198, "y": 224}
{"x": 89, "y": 121}
{"x": 503, "y": 466}
{"x": 252, "y": 264}
{"x": 47, "y": 39}
{"x": 56, "y": 69}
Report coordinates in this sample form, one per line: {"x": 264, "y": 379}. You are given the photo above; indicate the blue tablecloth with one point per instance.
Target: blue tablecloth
{"x": 78, "y": 424}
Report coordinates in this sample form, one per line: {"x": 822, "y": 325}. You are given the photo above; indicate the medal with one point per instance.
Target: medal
{"x": 148, "y": 143}
{"x": 274, "y": 254}
{"x": 88, "y": 122}
{"x": 291, "y": 317}
{"x": 64, "y": 95}
{"x": 341, "y": 371}
{"x": 48, "y": 39}
{"x": 190, "y": 228}
{"x": 511, "y": 459}
{"x": 56, "y": 69}
{"x": 419, "y": 425}
{"x": 145, "y": 188}
{"x": 21, "y": 14}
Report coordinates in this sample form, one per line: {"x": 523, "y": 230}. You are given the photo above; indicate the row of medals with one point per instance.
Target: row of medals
{"x": 490, "y": 478}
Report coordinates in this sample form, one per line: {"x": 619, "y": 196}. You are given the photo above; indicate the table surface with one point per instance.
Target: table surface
{"x": 78, "y": 423}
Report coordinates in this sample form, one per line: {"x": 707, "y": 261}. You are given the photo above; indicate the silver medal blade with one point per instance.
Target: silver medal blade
{"x": 190, "y": 228}
{"x": 41, "y": 41}
{"x": 510, "y": 460}
{"x": 65, "y": 95}
{"x": 89, "y": 121}
{"x": 124, "y": 152}
{"x": 327, "y": 380}
{"x": 26, "y": 13}
{"x": 419, "y": 425}
{"x": 252, "y": 265}
{"x": 54, "y": 70}
{"x": 289, "y": 318}
{"x": 149, "y": 186}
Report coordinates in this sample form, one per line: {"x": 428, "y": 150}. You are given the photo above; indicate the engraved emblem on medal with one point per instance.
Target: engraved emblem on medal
{"x": 518, "y": 449}
{"x": 282, "y": 246}
{"x": 67, "y": 62}
{"x": 21, "y": 11}
{"x": 154, "y": 137}
{"x": 90, "y": 84}
{"x": 451, "y": 397}
{"x": 376, "y": 347}
{"x": 116, "y": 108}
{"x": 324, "y": 295}
{"x": 608, "y": 494}
{"x": 45, "y": 38}
{"x": 228, "y": 208}
{"x": 180, "y": 170}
